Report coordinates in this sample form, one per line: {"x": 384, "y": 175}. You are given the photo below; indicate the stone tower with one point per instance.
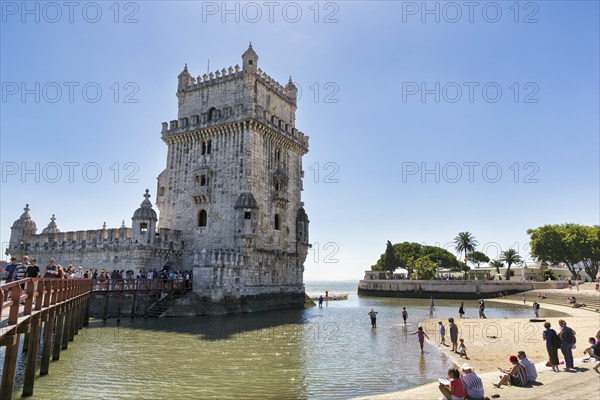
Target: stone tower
{"x": 21, "y": 233}
{"x": 232, "y": 186}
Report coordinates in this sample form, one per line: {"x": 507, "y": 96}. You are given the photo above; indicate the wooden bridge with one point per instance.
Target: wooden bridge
{"x": 139, "y": 290}
{"x": 58, "y": 307}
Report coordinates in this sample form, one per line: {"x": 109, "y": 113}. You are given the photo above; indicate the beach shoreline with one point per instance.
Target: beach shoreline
{"x": 490, "y": 342}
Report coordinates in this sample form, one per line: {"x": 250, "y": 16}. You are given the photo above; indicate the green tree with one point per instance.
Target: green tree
{"x": 390, "y": 260}
{"x": 425, "y": 268}
{"x": 465, "y": 243}
{"x": 407, "y": 252}
{"x": 497, "y": 264}
{"x": 510, "y": 257}
{"x": 569, "y": 244}
{"x": 477, "y": 257}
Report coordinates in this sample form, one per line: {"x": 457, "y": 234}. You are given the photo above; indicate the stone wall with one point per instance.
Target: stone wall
{"x": 447, "y": 289}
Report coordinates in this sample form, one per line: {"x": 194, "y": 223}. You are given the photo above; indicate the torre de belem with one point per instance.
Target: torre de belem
{"x": 229, "y": 198}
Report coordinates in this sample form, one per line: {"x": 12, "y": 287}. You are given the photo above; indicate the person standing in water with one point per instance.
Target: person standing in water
{"x": 321, "y": 301}
{"x": 404, "y": 314}
{"x": 373, "y": 315}
{"x": 422, "y": 335}
{"x": 461, "y": 310}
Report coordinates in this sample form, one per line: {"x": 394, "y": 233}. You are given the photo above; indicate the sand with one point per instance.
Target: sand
{"x": 490, "y": 342}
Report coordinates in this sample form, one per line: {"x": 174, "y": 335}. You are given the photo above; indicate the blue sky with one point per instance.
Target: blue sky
{"x": 372, "y": 133}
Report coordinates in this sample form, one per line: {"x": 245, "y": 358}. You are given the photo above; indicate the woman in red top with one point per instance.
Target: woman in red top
{"x": 456, "y": 389}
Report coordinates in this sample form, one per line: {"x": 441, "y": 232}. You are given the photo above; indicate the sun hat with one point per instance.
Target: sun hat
{"x": 466, "y": 366}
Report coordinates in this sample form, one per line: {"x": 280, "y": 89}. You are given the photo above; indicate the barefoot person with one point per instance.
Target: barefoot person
{"x": 456, "y": 389}
{"x": 516, "y": 375}
{"x": 453, "y": 334}
{"x": 404, "y": 314}
{"x": 567, "y": 338}
{"x": 373, "y": 315}
{"x": 461, "y": 310}
{"x": 422, "y": 335}
{"x": 553, "y": 342}
{"x": 462, "y": 349}
{"x": 442, "y": 334}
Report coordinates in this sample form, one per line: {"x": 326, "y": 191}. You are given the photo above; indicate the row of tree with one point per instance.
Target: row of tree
{"x": 570, "y": 244}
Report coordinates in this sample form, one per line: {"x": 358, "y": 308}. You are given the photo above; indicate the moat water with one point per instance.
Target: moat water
{"x": 315, "y": 353}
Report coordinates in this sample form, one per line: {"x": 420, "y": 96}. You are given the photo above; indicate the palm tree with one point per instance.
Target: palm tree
{"x": 510, "y": 257}
{"x": 465, "y": 242}
{"x": 497, "y": 264}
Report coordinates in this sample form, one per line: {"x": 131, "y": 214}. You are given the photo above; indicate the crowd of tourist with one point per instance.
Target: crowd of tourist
{"x": 115, "y": 279}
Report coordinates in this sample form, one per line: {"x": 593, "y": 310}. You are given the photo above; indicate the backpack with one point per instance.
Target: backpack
{"x": 568, "y": 336}
{"x": 556, "y": 342}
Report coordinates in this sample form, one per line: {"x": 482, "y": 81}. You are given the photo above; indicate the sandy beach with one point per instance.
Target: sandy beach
{"x": 490, "y": 342}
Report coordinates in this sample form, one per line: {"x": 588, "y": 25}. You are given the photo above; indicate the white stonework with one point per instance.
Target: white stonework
{"x": 229, "y": 197}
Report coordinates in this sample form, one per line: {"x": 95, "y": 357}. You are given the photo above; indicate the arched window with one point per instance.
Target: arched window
{"x": 203, "y": 181}
{"x": 211, "y": 114}
{"x": 277, "y": 186}
{"x": 203, "y": 148}
{"x": 208, "y": 147}
{"x": 278, "y": 155}
{"x": 202, "y": 217}
{"x": 277, "y": 223}
{"x": 143, "y": 228}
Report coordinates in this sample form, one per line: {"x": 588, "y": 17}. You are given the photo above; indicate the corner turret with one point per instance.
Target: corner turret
{"x": 250, "y": 60}
{"x": 144, "y": 222}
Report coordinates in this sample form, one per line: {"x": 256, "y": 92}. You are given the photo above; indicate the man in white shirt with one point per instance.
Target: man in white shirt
{"x": 472, "y": 382}
{"x": 529, "y": 366}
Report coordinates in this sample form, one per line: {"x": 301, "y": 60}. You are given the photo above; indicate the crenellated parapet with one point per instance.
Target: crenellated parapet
{"x": 195, "y": 125}
{"x": 102, "y": 239}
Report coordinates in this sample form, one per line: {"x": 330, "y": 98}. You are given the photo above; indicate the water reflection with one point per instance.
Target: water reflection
{"x": 317, "y": 353}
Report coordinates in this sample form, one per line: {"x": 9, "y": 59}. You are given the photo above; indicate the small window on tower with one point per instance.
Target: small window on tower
{"x": 248, "y": 215}
{"x": 277, "y": 226}
{"x": 203, "y": 148}
{"x": 143, "y": 228}
{"x": 202, "y": 217}
{"x": 161, "y": 191}
{"x": 203, "y": 181}
{"x": 209, "y": 147}
{"x": 250, "y": 62}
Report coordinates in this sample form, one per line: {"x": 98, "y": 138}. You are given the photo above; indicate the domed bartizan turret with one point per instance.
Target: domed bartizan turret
{"x": 184, "y": 79}
{"x": 21, "y": 232}
{"x": 291, "y": 90}
{"x": 52, "y": 227}
{"x": 250, "y": 60}
{"x": 144, "y": 222}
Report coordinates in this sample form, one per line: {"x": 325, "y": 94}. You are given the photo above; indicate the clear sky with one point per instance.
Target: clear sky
{"x": 423, "y": 122}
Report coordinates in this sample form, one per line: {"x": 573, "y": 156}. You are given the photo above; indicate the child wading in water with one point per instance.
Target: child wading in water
{"x": 462, "y": 349}
{"x": 422, "y": 335}
{"x": 443, "y": 334}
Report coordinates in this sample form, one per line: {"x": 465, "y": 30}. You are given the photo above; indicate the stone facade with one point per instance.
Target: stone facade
{"x": 229, "y": 197}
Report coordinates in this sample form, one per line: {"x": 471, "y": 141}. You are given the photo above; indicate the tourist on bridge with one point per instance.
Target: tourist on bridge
{"x": 33, "y": 271}
{"x": 51, "y": 270}
{"x": 9, "y": 270}
{"x": 373, "y": 315}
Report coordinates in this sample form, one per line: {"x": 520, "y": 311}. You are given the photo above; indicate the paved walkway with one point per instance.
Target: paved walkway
{"x": 581, "y": 385}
